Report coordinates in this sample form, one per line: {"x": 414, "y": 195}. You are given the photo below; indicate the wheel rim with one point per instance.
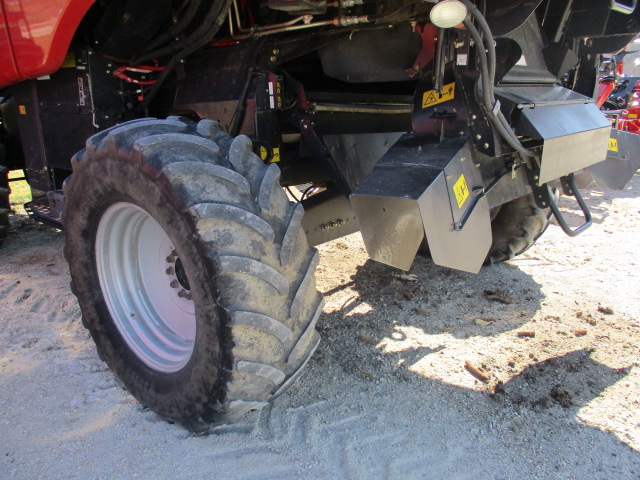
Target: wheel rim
{"x": 145, "y": 287}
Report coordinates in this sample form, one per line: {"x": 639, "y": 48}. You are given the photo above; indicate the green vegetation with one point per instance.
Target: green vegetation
{"x": 20, "y": 191}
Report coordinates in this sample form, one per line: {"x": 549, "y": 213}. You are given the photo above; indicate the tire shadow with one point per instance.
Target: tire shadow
{"x": 499, "y": 298}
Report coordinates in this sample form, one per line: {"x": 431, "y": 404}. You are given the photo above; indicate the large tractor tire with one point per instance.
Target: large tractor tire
{"x": 5, "y": 206}
{"x": 191, "y": 268}
{"x": 516, "y": 227}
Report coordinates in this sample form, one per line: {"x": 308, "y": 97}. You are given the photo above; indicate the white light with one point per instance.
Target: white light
{"x": 448, "y": 13}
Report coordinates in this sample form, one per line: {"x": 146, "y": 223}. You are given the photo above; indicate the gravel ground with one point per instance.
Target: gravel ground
{"x": 528, "y": 370}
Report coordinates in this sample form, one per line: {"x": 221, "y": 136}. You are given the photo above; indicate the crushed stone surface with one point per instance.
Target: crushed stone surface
{"x": 555, "y": 334}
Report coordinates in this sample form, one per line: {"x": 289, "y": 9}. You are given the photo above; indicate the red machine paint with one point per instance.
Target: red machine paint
{"x": 35, "y": 36}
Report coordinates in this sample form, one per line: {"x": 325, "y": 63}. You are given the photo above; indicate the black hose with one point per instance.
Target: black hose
{"x": 207, "y": 29}
{"x": 175, "y": 29}
{"x": 488, "y": 99}
{"x": 488, "y": 36}
{"x": 188, "y": 50}
{"x": 497, "y": 119}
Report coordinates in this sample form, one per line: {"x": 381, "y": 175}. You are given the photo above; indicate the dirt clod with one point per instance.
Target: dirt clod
{"x": 605, "y": 310}
{"x": 499, "y": 296}
{"x": 562, "y": 396}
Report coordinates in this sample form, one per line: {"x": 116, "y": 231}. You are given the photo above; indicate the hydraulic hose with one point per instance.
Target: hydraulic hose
{"x": 487, "y": 60}
{"x": 177, "y": 28}
{"x": 207, "y": 29}
{"x": 488, "y": 36}
{"x": 188, "y": 50}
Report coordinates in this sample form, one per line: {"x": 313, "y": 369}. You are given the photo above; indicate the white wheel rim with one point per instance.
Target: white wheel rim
{"x": 149, "y": 301}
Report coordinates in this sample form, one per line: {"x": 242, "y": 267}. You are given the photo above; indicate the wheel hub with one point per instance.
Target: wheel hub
{"x": 177, "y": 276}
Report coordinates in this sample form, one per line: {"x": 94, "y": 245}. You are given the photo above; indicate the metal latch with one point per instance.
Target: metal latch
{"x": 545, "y": 199}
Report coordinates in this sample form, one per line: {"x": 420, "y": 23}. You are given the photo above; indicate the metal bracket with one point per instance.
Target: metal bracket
{"x": 545, "y": 199}
{"x": 321, "y": 153}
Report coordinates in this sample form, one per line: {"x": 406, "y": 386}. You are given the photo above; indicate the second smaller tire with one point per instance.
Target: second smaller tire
{"x": 516, "y": 227}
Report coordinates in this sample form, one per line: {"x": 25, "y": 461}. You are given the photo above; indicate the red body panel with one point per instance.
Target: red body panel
{"x": 8, "y": 69}
{"x": 35, "y": 36}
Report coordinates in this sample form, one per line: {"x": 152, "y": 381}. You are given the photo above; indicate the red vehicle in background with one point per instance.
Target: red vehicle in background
{"x": 159, "y": 134}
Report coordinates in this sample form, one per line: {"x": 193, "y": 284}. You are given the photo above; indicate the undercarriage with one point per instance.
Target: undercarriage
{"x": 444, "y": 126}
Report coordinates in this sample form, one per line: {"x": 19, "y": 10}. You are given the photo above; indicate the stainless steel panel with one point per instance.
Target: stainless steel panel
{"x": 540, "y": 96}
{"x": 575, "y": 137}
{"x": 410, "y": 193}
{"x": 328, "y": 215}
{"x": 465, "y": 249}
{"x": 615, "y": 172}
{"x": 391, "y": 229}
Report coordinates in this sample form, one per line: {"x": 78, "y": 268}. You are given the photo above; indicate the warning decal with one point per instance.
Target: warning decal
{"x": 461, "y": 191}
{"x": 613, "y": 144}
{"x": 272, "y": 156}
{"x": 431, "y": 97}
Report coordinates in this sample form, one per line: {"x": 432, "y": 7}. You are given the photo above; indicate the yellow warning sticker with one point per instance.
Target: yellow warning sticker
{"x": 432, "y": 98}
{"x": 22, "y": 110}
{"x": 461, "y": 191}
{"x": 633, "y": 115}
{"x": 263, "y": 153}
{"x": 613, "y": 144}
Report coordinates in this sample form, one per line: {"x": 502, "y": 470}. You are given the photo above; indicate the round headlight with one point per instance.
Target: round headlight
{"x": 448, "y": 13}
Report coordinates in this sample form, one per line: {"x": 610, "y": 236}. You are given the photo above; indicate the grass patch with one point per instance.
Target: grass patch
{"x": 20, "y": 191}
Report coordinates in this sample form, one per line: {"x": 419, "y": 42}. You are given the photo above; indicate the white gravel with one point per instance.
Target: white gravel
{"x": 387, "y": 394}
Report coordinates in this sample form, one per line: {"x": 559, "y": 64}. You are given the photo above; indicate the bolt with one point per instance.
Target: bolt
{"x": 478, "y": 137}
{"x": 455, "y": 110}
{"x": 170, "y": 259}
{"x": 174, "y": 284}
{"x": 182, "y": 293}
{"x": 276, "y": 51}
{"x": 486, "y": 145}
{"x": 386, "y": 144}
{"x": 170, "y": 271}
{"x": 536, "y": 177}
{"x": 273, "y": 59}
{"x": 477, "y": 165}
{"x": 473, "y": 117}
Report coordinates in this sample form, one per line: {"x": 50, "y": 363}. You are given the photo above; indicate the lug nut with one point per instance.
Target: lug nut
{"x": 183, "y": 293}
{"x": 170, "y": 259}
{"x": 174, "y": 284}
{"x": 170, "y": 271}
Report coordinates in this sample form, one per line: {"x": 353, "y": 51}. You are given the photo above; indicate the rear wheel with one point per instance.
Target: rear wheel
{"x": 191, "y": 269}
{"x": 5, "y": 206}
{"x": 516, "y": 227}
